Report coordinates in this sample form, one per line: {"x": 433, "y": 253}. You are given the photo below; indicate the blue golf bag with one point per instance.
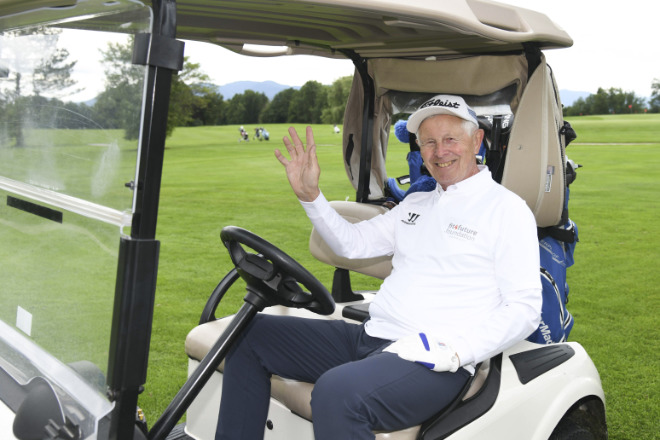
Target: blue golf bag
{"x": 556, "y": 247}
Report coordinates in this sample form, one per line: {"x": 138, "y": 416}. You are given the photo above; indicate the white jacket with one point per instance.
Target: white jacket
{"x": 465, "y": 265}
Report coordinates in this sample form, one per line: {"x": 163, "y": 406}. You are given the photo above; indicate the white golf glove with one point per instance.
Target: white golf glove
{"x": 425, "y": 350}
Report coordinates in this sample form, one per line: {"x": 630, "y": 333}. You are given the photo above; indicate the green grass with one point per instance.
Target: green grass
{"x": 622, "y": 129}
{"x": 614, "y": 283}
{"x": 211, "y": 180}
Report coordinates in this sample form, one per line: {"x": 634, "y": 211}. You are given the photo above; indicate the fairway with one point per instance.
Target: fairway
{"x": 211, "y": 180}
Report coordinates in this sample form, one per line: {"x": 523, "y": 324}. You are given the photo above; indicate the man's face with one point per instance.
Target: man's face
{"x": 447, "y": 149}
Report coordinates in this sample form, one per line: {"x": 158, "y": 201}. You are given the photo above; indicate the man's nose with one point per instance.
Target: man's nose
{"x": 440, "y": 149}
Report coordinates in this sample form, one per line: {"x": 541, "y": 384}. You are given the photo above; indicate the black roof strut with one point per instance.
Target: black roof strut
{"x": 366, "y": 142}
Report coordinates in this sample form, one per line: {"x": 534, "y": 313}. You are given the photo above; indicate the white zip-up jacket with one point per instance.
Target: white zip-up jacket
{"x": 465, "y": 265}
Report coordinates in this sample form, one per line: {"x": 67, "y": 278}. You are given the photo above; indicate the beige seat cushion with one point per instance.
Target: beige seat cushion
{"x": 293, "y": 394}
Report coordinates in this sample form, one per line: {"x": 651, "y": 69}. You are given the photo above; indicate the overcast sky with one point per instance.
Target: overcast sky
{"x": 616, "y": 44}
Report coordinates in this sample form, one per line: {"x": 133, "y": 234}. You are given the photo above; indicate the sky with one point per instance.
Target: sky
{"x": 615, "y": 44}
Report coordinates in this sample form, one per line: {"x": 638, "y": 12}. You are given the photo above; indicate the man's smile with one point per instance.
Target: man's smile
{"x": 444, "y": 164}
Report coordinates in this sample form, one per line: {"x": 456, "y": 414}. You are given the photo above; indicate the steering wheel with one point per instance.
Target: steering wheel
{"x": 272, "y": 276}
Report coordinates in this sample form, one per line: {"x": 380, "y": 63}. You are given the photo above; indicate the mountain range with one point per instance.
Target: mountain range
{"x": 271, "y": 88}
{"x": 268, "y": 88}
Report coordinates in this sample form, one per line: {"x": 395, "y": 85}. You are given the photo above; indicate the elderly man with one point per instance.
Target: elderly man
{"x": 464, "y": 287}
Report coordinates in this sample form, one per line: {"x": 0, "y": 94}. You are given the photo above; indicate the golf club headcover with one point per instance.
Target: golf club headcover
{"x": 426, "y": 351}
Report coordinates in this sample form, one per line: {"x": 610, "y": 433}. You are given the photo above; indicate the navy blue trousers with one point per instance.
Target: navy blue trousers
{"x": 358, "y": 388}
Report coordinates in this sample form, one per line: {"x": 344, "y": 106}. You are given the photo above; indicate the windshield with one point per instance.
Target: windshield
{"x": 70, "y": 103}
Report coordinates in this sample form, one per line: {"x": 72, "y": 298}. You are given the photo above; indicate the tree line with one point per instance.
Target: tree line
{"x": 615, "y": 101}
{"x": 195, "y": 102}
{"x": 313, "y": 103}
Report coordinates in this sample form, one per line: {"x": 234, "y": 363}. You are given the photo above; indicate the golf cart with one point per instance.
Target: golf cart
{"x": 77, "y": 231}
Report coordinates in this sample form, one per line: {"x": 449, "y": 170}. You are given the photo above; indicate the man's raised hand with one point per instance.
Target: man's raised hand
{"x": 302, "y": 169}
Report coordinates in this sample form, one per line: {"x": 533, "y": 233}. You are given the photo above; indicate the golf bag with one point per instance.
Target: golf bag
{"x": 556, "y": 246}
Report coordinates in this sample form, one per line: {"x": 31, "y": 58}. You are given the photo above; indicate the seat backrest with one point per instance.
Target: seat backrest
{"x": 535, "y": 161}
{"x": 353, "y": 212}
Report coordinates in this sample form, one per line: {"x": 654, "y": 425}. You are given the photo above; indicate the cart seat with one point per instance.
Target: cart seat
{"x": 295, "y": 395}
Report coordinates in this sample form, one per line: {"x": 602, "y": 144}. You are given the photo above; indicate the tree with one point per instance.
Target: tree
{"x": 188, "y": 89}
{"x": 254, "y": 103}
{"x": 277, "y": 111}
{"x": 598, "y": 102}
{"x": 578, "y": 108}
{"x": 654, "y": 102}
{"x": 209, "y": 109}
{"x": 33, "y": 65}
{"x": 337, "y": 99}
{"x": 246, "y": 107}
{"x": 121, "y": 100}
{"x": 53, "y": 74}
{"x": 307, "y": 105}
{"x": 118, "y": 104}
{"x": 236, "y": 110}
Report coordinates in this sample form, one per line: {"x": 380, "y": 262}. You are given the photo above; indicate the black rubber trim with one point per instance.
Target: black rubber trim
{"x": 531, "y": 364}
{"x": 33, "y": 208}
{"x": 158, "y": 51}
{"x": 357, "y": 312}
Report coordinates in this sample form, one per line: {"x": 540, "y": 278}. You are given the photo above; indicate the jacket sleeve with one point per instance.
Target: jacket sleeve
{"x": 366, "y": 239}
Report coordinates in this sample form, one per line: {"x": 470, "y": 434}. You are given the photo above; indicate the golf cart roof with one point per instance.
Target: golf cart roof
{"x": 370, "y": 28}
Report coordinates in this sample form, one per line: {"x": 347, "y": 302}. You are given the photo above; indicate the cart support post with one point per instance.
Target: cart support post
{"x": 138, "y": 259}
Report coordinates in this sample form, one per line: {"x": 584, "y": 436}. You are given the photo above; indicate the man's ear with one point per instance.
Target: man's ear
{"x": 478, "y": 138}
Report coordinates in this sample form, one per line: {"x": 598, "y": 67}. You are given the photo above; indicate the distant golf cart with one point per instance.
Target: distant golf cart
{"x": 77, "y": 230}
